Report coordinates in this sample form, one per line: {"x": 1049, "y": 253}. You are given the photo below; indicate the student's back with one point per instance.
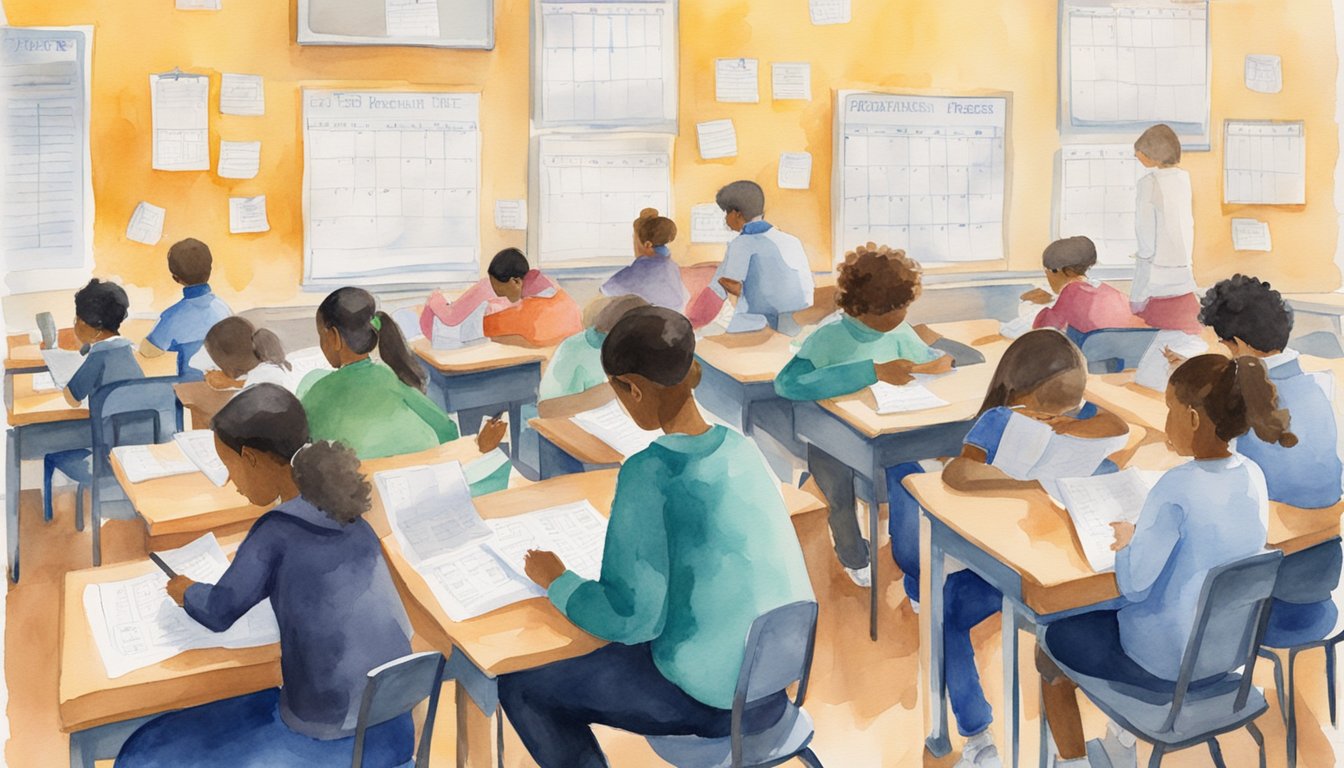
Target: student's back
{"x": 779, "y": 279}
{"x": 366, "y": 406}
{"x": 1308, "y": 474}
{"x": 183, "y": 326}
{"x": 100, "y": 309}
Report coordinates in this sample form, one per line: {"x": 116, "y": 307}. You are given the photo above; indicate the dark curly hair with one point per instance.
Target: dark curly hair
{"x": 102, "y": 305}
{"x": 1247, "y": 308}
{"x": 877, "y": 280}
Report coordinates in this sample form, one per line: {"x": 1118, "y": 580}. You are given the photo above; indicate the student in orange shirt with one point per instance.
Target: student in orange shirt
{"x": 519, "y": 301}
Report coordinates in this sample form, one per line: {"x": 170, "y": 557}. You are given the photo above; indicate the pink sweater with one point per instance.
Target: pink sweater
{"x": 1085, "y": 307}
{"x": 452, "y": 314}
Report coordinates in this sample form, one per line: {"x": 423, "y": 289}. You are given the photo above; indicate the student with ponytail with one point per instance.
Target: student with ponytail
{"x": 244, "y": 355}
{"x": 320, "y": 565}
{"x": 1207, "y": 512}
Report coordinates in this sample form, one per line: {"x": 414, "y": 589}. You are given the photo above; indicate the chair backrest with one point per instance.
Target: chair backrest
{"x": 1229, "y": 624}
{"x": 393, "y": 690}
{"x": 1319, "y": 344}
{"x": 1109, "y": 350}
{"x": 778, "y": 654}
{"x": 133, "y": 412}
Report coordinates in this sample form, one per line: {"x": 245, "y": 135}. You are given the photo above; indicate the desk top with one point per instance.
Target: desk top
{"x": 25, "y": 355}
{"x": 1320, "y": 303}
{"x": 484, "y": 356}
{"x": 203, "y": 399}
{"x": 89, "y": 698}
{"x": 32, "y": 407}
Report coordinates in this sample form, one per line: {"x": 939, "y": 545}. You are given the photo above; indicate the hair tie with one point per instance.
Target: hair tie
{"x": 377, "y": 323}
{"x": 295, "y": 457}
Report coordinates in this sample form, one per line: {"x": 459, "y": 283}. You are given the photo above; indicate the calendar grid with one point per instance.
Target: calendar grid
{"x": 1097, "y": 199}
{"x": 1264, "y": 163}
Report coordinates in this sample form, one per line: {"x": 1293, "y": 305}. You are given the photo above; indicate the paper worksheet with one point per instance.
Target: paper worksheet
{"x": 511, "y": 215}
{"x": 795, "y": 170}
{"x": 708, "y": 224}
{"x": 1096, "y": 195}
{"x": 1032, "y": 450}
{"x": 239, "y": 159}
{"x": 45, "y": 382}
{"x": 737, "y": 80}
{"x": 613, "y": 426}
{"x": 717, "y": 139}
{"x": 791, "y": 80}
{"x": 146, "y": 224}
{"x": 1265, "y": 162}
{"x": 181, "y": 121}
{"x": 242, "y": 95}
{"x": 248, "y": 215}
{"x": 1264, "y": 74}
{"x": 199, "y": 5}
{"x": 412, "y": 18}
{"x": 1096, "y": 502}
{"x": 199, "y": 446}
{"x": 135, "y": 624}
{"x": 140, "y": 463}
{"x": 1025, "y": 320}
{"x": 305, "y": 361}
{"x": 430, "y": 509}
{"x": 576, "y": 532}
{"x": 1154, "y": 369}
{"x": 1251, "y": 235}
{"x": 904, "y": 398}
{"x": 474, "y": 581}
{"x": 829, "y": 11}
{"x": 63, "y": 364}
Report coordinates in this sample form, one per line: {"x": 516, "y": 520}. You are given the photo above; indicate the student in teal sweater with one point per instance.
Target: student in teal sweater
{"x": 699, "y": 545}
{"x": 872, "y": 342}
{"x": 576, "y": 365}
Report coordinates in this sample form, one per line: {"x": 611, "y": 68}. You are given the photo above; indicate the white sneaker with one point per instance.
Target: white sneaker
{"x": 861, "y": 576}
{"x": 980, "y": 752}
{"x": 914, "y": 606}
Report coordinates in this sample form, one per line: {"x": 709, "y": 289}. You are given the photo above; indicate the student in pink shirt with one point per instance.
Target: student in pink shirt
{"x": 1083, "y": 305}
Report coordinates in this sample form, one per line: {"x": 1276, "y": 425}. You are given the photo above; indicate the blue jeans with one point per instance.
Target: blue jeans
{"x": 246, "y": 732}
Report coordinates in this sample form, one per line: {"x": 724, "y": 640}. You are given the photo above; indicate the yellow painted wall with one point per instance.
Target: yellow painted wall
{"x": 933, "y": 45}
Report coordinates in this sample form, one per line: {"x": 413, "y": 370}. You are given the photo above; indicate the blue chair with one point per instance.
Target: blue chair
{"x": 1111, "y": 350}
{"x": 394, "y": 689}
{"x": 132, "y": 412}
{"x": 1213, "y": 693}
{"x": 778, "y": 654}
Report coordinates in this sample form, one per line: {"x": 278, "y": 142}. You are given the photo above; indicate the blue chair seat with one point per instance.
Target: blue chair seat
{"x": 76, "y": 465}
{"x": 789, "y": 736}
{"x": 1303, "y": 625}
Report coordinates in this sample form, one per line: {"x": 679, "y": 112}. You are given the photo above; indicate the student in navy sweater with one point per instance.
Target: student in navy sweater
{"x": 320, "y": 565}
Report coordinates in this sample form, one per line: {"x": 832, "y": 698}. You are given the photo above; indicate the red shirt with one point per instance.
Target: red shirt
{"x": 1085, "y": 307}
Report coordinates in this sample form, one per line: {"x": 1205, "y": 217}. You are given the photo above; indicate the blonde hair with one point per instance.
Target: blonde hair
{"x": 1160, "y": 144}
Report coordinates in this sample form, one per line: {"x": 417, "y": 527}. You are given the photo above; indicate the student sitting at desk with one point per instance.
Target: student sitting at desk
{"x": 322, "y": 568}
{"x": 244, "y": 356}
{"x": 653, "y": 276}
{"x": 1205, "y": 513}
{"x": 871, "y": 342}
{"x": 378, "y": 408}
{"x": 182, "y": 327}
{"x": 1082, "y": 305}
{"x": 519, "y": 301}
{"x": 764, "y": 268}
{"x": 699, "y": 544}
{"x": 576, "y": 365}
{"x": 100, "y": 309}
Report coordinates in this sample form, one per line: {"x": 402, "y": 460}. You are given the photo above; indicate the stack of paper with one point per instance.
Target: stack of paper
{"x": 199, "y": 446}
{"x": 430, "y": 509}
{"x": 63, "y": 364}
{"x": 1026, "y": 318}
{"x": 908, "y": 397}
{"x": 1154, "y": 369}
{"x": 1096, "y": 502}
{"x": 613, "y": 426}
{"x": 1032, "y": 450}
{"x": 135, "y": 624}
{"x": 140, "y": 463}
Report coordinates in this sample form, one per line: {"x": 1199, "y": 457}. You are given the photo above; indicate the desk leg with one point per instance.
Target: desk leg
{"x": 875, "y": 585}
{"x": 1012, "y": 719}
{"x": 13, "y": 483}
{"x": 515, "y": 429}
{"x": 931, "y": 615}
{"x": 476, "y": 740}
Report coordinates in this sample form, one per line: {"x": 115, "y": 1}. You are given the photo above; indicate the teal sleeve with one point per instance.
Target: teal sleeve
{"x": 802, "y": 380}
{"x": 628, "y": 604}
{"x": 430, "y": 413}
{"x": 311, "y": 378}
{"x": 558, "y": 380}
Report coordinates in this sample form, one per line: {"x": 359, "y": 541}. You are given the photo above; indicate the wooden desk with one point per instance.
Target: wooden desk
{"x": 202, "y": 400}
{"x": 1330, "y": 305}
{"x": 28, "y": 357}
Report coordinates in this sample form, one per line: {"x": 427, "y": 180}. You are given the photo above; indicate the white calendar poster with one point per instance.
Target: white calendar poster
{"x": 606, "y": 64}
{"x": 1127, "y": 65}
{"x": 391, "y": 186}
{"x": 1264, "y": 163}
{"x": 923, "y": 173}
{"x": 1095, "y": 196}
{"x": 592, "y": 189}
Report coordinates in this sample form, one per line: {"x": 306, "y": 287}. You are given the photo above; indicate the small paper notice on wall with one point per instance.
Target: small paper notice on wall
{"x": 795, "y": 170}
{"x": 198, "y": 5}
{"x": 1251, "y": 235}
{"x": 247, "y": 215}
{"x": 242, "y": 95}
{"x": 412, "y": 18}
{"x": 791, "y": 81}
{"x": 146, "y": 225}
{"x": 829, "y": 11}
{"x": 239, "y": 159}
{"x": 1264, "y": 74}
{"x": 736, "y": 80}
{"x": 511, "y": 214}
{"x": 718, "y": 139}
{"x": 708, "y": 225}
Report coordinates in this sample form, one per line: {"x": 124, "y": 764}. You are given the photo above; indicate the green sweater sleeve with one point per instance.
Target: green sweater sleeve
{"x": 802, "y": 380}
{"x": 558, "y": 380}
{"x": 430, "y": 413}
{"x": 628, "y": 604}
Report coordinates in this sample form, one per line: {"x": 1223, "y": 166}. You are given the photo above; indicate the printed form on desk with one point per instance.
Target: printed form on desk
{"x": 613, "y": 426}
{"x": 1095, "y": 502}
{"x": 1032, "y": 450}
{"x": 63, "y": 364}
{"x": 907, "y": 397}
{"x": 141, "y": 463}
{"x": 199, "y": 446}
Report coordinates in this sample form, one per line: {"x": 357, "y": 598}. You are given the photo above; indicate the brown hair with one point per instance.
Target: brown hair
{"x": 1030, "y": 361}
{"x": 604, "y": 312}
{"x": 650, "y": 227}
{"x": 190, "y": 261}
{"x": 236, "y": 339}
{"x": 1236, "y": 395}
{"x": 1160, "y": 144}
{"x": 877, "y": 280}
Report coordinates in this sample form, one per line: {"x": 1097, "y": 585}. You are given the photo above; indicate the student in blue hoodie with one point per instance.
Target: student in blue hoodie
{"x": 182, "y": 327}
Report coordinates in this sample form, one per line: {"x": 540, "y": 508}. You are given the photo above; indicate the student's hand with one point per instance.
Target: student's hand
{"x": 221, "y": 380}
{"x": 1175, "y": 358}
{"x": 543, "y": 567}
{"x": 1038, "y": 296}
{"x": 1060, "y": 423}
{"x": 894, "y": 372}
{"x": 941, "y": 364}
{"x": 177, "y": 588}
{"x": 491, "y": 434}
{"x": 1124, "y": 533}
{"x": 733, "y": 287}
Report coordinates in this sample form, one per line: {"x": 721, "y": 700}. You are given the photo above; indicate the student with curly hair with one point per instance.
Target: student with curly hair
{"x": 100, "y": 309}
{"x": 871, "y": 342}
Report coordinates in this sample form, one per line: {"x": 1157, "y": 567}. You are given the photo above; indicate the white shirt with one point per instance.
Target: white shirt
{"x": 1165, "y": 227}
{"x": 270, "y": 373}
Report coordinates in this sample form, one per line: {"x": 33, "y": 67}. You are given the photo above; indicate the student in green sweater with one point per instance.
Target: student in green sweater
{"x": 871, "y": 342}
{"x": 576, "y": 365}
{"x": 378, "y": 409}
{"x": 699, "y": 544}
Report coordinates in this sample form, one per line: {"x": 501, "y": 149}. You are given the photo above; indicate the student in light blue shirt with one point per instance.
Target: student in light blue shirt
{"x": 182, "y": 327}
{"x": 1211, "y": 511}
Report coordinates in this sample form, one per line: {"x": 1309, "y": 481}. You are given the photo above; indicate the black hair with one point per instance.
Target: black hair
{"x": 1236, "y": 395}
{"x": 653, "y": 342}
{"x": 508, "y": 264}
{"x": 744, "y": 197}
{"x": 268, "y": 418}
{"x": 102, "y": 305}
{"x": 353, "y": 313}
{"x": 1247, "y": 308}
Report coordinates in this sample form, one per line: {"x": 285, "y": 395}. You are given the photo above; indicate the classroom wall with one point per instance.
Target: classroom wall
{"x": 927, "y": 45}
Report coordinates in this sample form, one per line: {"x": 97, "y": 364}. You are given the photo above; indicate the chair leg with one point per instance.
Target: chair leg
{"x": 1330, "y": 682}
{"x": 79, "y": 506}
{"x": 1156, "y": 759}
{"x": 1044, "y": 757}
{"x": 1216, "y": 752}
{"x": 1273, "y": 657}
{"x": 1290, "y": 727}
{"x": 1259, "y": 741}
{"x": 809, "y": 758}
{"x": 96, "y": 522}
{"x": 48, "y": 470}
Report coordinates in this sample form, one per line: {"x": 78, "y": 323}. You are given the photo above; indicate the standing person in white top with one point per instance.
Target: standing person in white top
{"x": 766, "y": 269}
{"x": 1163, "y": 293}
{"x": 244, "y": 356}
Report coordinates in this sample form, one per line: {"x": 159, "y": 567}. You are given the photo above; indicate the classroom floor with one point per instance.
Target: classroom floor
{"x": 865, "y": 697}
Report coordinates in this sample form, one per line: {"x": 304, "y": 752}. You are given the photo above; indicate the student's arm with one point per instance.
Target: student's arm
{"x": 1139, "y": 565}
{"x": 802, "y": 380}
{"x": 733, "y": 267}
{"x": 246, "y": 583}
{"x": 467, "y": 303}
{"x": 85, "y": 380}
{"x": 628, "y": 604}
{"x": 1092, "y": 422}
{"x": 940, "y": 364}
{"x": 970, "y": 473}
{"x": 160, "y": 338}
{"x": 443, "y": 426}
